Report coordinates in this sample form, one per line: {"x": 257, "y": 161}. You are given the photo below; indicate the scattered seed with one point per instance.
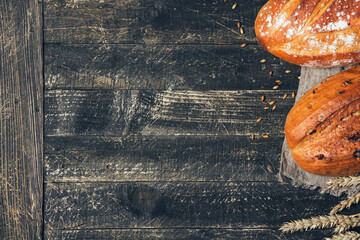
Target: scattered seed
{"x": 288, "y": 71}
{"x": 252, "y": 137}
{"x": 274, "y": 107}
{"x": 241, "y": 30}
{"x": 276, "y": 87}
{"x": 262, "y": 98}
{"x": 272, "y": 102}
{"x": 238, "y": 25}
{"x": 278, "y": 81}
{"x": 292, "y": 94}
{"x": 285, "y": 96}
{"x": 243, "y": 45}
{"x": 234, "y": 6}
{"x": 346, "y": 83}
{"x": 266, "y": 107}
{"x": 262, "y": 86}
{"x": 265, "y": 136}
{"x": 355, "y": 114}
{"x": 263, "y": 60}
{"x": 270, "y": 73}
{"x": 259, "y": 120}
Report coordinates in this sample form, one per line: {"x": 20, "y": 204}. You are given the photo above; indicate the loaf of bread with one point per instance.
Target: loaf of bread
{"x": 323, "y": 128}
{"x": 311, "y": 33}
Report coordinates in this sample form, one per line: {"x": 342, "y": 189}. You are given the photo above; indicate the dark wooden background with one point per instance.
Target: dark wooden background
{"x": 149, "y": 111}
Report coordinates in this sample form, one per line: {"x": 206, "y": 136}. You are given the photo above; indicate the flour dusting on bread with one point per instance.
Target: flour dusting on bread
{"x": 315, "y": 33}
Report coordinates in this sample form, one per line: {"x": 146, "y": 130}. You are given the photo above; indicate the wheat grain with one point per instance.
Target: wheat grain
{"x": 346, "y": 204}
{"x": 343, "y": 223}
{"x": 351, "y": 235}
{"x": 343, "y": 182}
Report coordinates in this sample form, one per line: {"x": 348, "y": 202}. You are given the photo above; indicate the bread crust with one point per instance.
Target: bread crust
{"x": 323, "y": 128}
{"x": 311, "y": 33}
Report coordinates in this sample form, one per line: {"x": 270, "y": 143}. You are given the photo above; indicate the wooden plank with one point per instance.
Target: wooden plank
{"x": 149, "y": 21}
{"x": 21, "y": 115}
{"x": 124, "y": 112}
{"x": 99, "y": 205}
{"x": 185, "y": 234}
{"x": 162, "y": 158}
{"x": 164, "y": 67}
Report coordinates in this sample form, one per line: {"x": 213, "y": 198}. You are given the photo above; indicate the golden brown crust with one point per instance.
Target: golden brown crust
{"x": 320, "y": 102}
{"x": 312, "y": 33}
{"x": 323, "y": 127}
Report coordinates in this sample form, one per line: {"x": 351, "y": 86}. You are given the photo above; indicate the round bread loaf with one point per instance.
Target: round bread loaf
{"x": 323, "y": 128}
{"x": 311, "y": 33}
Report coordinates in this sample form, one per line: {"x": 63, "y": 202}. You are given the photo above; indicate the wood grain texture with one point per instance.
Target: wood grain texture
{"x": 124, "y": 112}
{"x": 149, "y": 111}
{"x": 184, "y": 234}
{"x": 222, "y": 67}
{"x": 161, "y": 158}
{"x": 149, "y": 21}
{"x": 178, "y": 205}
{"x": 21, "y": 116}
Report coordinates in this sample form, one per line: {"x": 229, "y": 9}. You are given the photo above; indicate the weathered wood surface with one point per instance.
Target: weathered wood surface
{"x": 161, "y": 158}
{"x": 222, "y": 67}
{"x": 183, "y": 234}
{"x": 101, "y": 205}
{"x": 149, "y": 111}
{"x": 149, "y": 21}
{"x": 124, "y": 112}
{"x": 21, "y": 114}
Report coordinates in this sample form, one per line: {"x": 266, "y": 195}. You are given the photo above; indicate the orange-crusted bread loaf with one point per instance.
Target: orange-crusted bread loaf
{"x": 323, "y": 128}
{"x": 311, "y": 33}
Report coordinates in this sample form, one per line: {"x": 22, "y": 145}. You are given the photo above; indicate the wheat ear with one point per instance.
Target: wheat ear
{"x": 310, "y": 223}
{"x": 346, "y": 204}
{"x": 351, "y": 235}
{"x": 344, "y": 222}
{"x": 343, "y": 182}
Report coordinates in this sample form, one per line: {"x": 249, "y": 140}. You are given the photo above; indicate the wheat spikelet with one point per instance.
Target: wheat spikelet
{"x": 348, "y": 222}
{"x": 343, "y": 223}
{"x": 343, "y": 182}
{"x": 346, "y": 204}
{"x": 351, "y": 235}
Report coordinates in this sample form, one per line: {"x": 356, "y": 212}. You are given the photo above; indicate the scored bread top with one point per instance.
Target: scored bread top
{"x": 313, "y": 33}
{"x": 320, "y": 102}
{"x": 323, "y": 128}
